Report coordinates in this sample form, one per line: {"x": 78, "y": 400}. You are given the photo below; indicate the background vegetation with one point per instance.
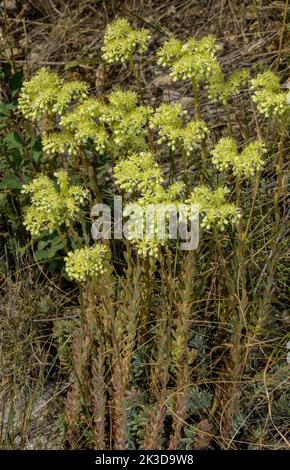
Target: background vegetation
{"x": 198, "y": 355}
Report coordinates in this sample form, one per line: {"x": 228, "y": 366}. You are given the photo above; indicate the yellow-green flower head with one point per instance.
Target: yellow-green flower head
{"x": 130, "y": 126}
{"x": 247, "y": 163}
{"x": 167, "y": 116}
{"x": 141, "y": 234}
{"x": 174, "y": 191}
{"x": 268, "y": 80}
{"x": 168, "y": 120}
{"x": 169, "y": 52}
{"x": 120, "y": 123}
{"x": 139, "y": 172}
{"x": 145, "y": 245}
{"x": 220, "y": 89}
{"x": 52, "y": 205}
{"x": 188, "y": 138}
{"x": 237, "y": 79}
{"x": 194, "y": 60}
{"x": 126, "y": 120}
{"x": 123, "y": 100}
{"x": 59, "y": 142}
{"x": 192, "y": 135}
{"x": 70, "y": 91}
{"x": 84, "y": 125}
{"x": 121, "y": 41}
{"x": 225, "y": 153}
{"x": 163, "y": 195}
{"x": 268, "y": 102}
{"x": 144, "y": 236}
{"x": 86, "y": 263}
{"x": 213, "y": 208}
{"x": 47, "y": 93}
{"x": 148, "y": 247}
{"x": 39, "y": 94}
{"x": 250, "y": 160}
{"x": 268, "y": 94}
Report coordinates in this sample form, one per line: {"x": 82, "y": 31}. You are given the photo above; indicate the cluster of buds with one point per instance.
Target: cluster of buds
{"x": 268, "y": 95}
{"x": 213, "y": 208}
{"x": 120, "y": 123}
{"x": 52, "y": 205}
{"x": 69, "y": 92}
{"x": 86, "y": 263}
{"x": 121, "y": 41}
{"x": 192, "y": 135}
{"x": 142, "y": 236}
{"x": 195, "y": 59}
{"x": 47, "y": 93}
{"x": 59, "y": 142}
{"x": 245, "y": 163}
{"x": 168, "y": 121}
{"x": 139, "y": 173}
{"x": 220, "y": 89}
{"x": 143, "y": 226}
{"x": 126, "y": 120}
{"x": 163, "y": 195}
{"x": 83, "y": 124}
{"x": 148, "y": 247}
{"x": 167, "y": 116}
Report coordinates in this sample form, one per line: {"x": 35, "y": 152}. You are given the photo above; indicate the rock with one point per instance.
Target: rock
{"x": 162, "y": 80}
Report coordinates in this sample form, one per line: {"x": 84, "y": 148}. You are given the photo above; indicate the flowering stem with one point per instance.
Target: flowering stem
{"x": 238, "y": 191}
{"x": 258, "y": 180}
{"x": 269, "y": 125}
{"x": 246, "y": 119}
{"x": 271, "y": 262}
{"x": 199, "y": 116}
{"x": 185, "y": 165}
{"x": 92, "y": 176}
{"x": 241, "y": 238}
{"x": 74, "y": 235}
{"x": 196, "y": 100}
{"x": 241, "y": 275}
{"x": 172, "y": 165}
{"x": 63, "y": 239}
{"x": 227, "y": 275}
{"x": 266, "y": 298}
{"x": 137, "y": 78}
{"x": 148, "y": 292}
{"x": 229, "y": 120}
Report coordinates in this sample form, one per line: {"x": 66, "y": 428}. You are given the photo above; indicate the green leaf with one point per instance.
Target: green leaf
{"x": 16, "y": 158}
{"x": 22, "y": 249}
{"x": 37, "y": 153}
{"x": 5, "y": 70}
{"x": 13, "y": 140}
{"x": 3, "y": 166}
{"x": 42, "y": 244}
{"x": 15, "y": 82}
{"x": 5, "y": 108}
{"x": 47, "y": 249}
{"x": 51, "y": 252}
{"x": 10, "y": 181}
{"x": 40, "y": 255}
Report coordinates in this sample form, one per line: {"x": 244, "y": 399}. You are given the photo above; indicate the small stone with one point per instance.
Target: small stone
{"x": 162, "y": 80}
